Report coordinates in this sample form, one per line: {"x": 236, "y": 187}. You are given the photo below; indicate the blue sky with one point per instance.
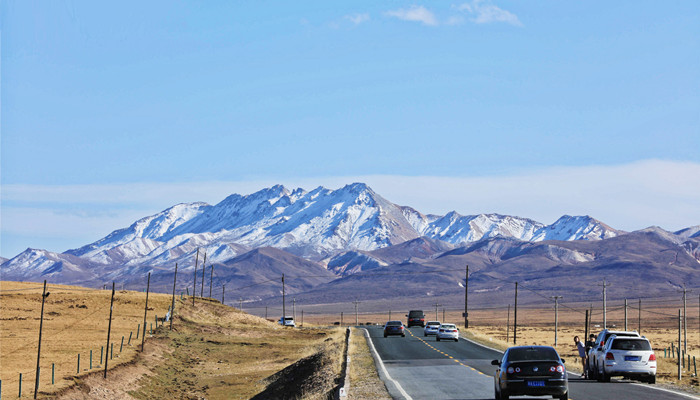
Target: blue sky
{"x": 111, "y": 112}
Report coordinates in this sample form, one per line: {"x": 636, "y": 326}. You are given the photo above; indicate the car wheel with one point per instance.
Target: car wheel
{"x": 604, "y": 377}
{"x": 385, "y": 335}
{"x": 504, "y": 395}
{"x": 652, "y": 380}
{"x": 457, "y": 340}
{"x": 565, "y": 396}
{"x": 425, "y": 335}
{"x": 403, "y": 335}
{"x": 437, "y": 338}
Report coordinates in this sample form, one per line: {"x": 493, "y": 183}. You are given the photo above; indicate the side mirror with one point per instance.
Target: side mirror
{"x": 407, "y": 315}
{"x": 563, "y": 361}
{"x": 495, "y": 362}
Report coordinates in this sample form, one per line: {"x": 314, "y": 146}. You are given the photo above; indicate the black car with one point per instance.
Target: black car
{"x": 533, "y": 371}
{"x": 394, "y": 328}
{"x": 415, "y": 317}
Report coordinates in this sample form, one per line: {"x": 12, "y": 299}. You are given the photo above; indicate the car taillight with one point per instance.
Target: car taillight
{"x": 510, "y": 370}
{"x": 652, "y": 357}
{"x": 560, "y": 369}
{"x": 517, "y": 369}
{"x": 609, "y": 356}
{"x": 442, "y": 330}
{"x": 552, "y": 369}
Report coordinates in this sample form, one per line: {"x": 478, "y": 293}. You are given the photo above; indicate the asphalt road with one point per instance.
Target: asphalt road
{"x": 417, "y": 367}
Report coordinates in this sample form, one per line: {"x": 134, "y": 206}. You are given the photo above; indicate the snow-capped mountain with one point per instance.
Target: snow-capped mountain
{"x": 317, "y": 224}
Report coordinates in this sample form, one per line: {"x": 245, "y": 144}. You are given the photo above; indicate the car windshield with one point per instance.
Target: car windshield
{"x": 630, "y": 344}
{"x": 433, "y": 324}
{"x": 394, "y": 323}
{"x": 415, "y": 314}
{"x": 532, "y": 354}
{"x": 448, "y": 326}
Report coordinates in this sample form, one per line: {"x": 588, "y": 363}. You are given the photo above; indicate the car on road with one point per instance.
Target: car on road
{"x": 532, "y": 371}
{"x": 431, "y": 328}
{"x": 447, "y": 332}
{"x": 287, "y": 321}
{"x": 595, "y": 354}
{"x": 394, "y": 328}
{"x": 415, "y": 317}
{"x": 630, "y": 357}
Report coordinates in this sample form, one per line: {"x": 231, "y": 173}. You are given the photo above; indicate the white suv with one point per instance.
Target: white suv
{"x": 595, "y": 354}
{"x": 287, "y": 321}
{"x": 631, "y": 357}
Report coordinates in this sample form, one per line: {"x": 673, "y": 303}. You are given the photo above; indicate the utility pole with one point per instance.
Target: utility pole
{"x": 639, "y": 318}
{"x": 679, "y": 345}
{"x": 515, "y": 316}
{"x": 265, "y": 312}
{"x": 443, "y": 315}
{"x": 284, "y": 311}
{"x": 223, "y": 294}
{"x": 204, "y": 267}
{"x": 240, "y": 304}
{"x": 625, "y": 313}
{"x": 44, "y": 295}
{"x": 194, "y": 286}
{"x": 356, "y": 319}
{"x": 172, "y": 305}
{"x": 556, "y": 317}
{"x": 466, "y": 298}
{"x": 294, "y": 309}
{"x": 109, "y": 328}
{"x": 145, "y": 312}
{"x": 508, "y": 324}
{"x": 685, "y": 323}
{"x": 436, "y": 310}
{"x": 605, "y": 304}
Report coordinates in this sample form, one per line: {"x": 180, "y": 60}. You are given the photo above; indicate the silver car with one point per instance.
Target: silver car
{"x": 630, "y": 357}
{"x": 431, "y": 328}
{"x": 447, "y": 331}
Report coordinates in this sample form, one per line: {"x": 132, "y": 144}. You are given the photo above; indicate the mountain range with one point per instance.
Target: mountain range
{"x": 333, "y": 237}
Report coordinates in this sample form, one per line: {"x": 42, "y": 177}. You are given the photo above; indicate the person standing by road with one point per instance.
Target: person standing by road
{"x": 581, "y": 353}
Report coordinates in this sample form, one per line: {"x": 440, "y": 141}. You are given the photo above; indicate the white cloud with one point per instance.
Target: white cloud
{"x": 357, "y": 19}
{"x": 484, "y": 12}
{"x": 414, "y": 13}
{"x": 629, "y": 197}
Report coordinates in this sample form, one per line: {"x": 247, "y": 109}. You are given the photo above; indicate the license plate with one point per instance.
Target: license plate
{"x": 632, "y": 358}
{"x": 535, "y": 383}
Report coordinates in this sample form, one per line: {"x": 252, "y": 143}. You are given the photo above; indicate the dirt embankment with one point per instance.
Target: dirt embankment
{"x": 217, "y": 352}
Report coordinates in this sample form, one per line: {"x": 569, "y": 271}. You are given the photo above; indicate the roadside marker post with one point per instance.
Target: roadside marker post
{"x": 122, "y": 345}
{"x": 129, "y": 343}
{"x": 90, "y": 359}
{"x": 20, "y": 385}
{"x": 78, "y": 364}
{"x": 53, "y": 373}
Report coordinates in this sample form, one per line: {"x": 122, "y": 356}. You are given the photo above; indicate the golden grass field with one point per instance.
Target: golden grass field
{"x": 214, "y": 351}
{"x": 75, "y": 322}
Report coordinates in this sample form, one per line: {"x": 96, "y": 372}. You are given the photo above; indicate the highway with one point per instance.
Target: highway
{"x": 417, "y": 367}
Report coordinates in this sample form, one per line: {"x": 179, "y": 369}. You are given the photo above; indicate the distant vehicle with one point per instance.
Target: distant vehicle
{"x": 532, "y": 371}
{"x": 394, "y": 328}
{"x": 630, "y": 357}
{"x": 431, "y": 328}
{"x": 595, "y": 354}
{"x": 447, "y": 331}
{"x": 415, "y": 317}
{"x": 287, "y": 321}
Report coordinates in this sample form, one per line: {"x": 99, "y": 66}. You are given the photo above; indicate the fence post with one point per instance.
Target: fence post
{"x": 20, "y": 385}
{"x": 90, "y": 359}
{"x": 129, "y": 343}
{"x": 78, "y": 364}
{"x": 53, "y": 372}
{"x": 102, "y": 353}
{"x": 679, "y": 344}
{"x": 145, "y": 311}
{"x": 109, "y": 329}
{"x": 122, "y": 345}
{"x": 111, "y": 353}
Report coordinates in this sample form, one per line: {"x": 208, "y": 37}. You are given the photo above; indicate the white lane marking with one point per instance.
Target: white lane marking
{"x": 381, "y": 365}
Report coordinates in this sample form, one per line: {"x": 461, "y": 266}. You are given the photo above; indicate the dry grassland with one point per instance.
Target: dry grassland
{"x": 75, "y": 321}
{"x": 214, "y": 351}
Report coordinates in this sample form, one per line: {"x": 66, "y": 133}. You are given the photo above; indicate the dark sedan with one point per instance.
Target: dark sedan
{"x": 532, "y": 371}
{"x": 394, "y": 328}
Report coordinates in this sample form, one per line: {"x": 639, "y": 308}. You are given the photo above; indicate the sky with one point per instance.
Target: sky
{"x": 112, "y": 112}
